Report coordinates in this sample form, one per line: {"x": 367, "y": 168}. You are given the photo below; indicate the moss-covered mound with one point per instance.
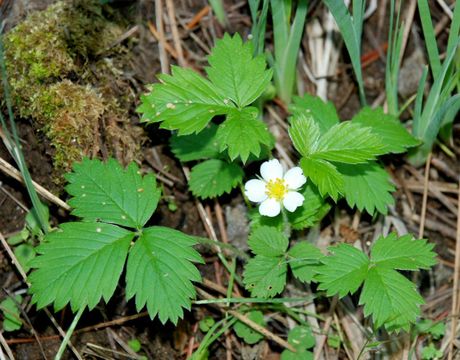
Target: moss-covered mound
{"x": 66, "y": 71}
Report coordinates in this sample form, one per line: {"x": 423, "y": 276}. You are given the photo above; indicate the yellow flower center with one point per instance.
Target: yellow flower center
{"x": 276, "y": 189}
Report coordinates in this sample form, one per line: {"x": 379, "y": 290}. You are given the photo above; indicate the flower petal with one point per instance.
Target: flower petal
{"x": 270, "y": 207}
{"x": 255, "y": 190}
{"x": 295, "y": 178}
{"x": 271, "y": 169}
{"x": 293, "y": 200}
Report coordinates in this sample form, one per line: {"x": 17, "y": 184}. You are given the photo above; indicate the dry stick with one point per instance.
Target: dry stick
{"x": 407, "y": 26}
{"x": 421, "y": 229}
{"x": 175, "y": 33}
{"x": 164, "y": 61}
{"x": 6, "y": 347}
{"x": 455, "y": 289}
{"x": 267, "y": 333}
{"x": 24, "y": 276}
{"x": 162, "y": 43}
{"x": 8, "y": 169}
{"x": 197, "y": 18}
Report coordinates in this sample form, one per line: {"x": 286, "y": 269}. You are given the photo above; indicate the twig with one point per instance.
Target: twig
{"x": 421, "y": 229}
{"x": 455, "y": 289}
{"x": 160, "y": 35}
{"x": 175, "y": 33}
{"x": 24, "y": 276}
{"x": 197, "y": 18}
{"x": 6, "y": 347}
{"x": 8, "y": 169}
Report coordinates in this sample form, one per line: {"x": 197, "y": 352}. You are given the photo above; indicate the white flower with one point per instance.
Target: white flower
{"x": 275, "y": 189}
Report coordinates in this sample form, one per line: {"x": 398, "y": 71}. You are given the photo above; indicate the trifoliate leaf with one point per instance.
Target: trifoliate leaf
{"x": 160, "y": 272}
{"x": 390, "y": 298}
{"x": 394, "y": 136}
{"x": 11, "y": 313}
{"x": 265, "y": 276}
{"x": 196, "y": 146}
{"x": 342, "y": 272}
{"x": 247, "y": 333}
{"x": 403, "y": 253}
{"x": 214, "y": 177}
{"x": 367, "y": 186}
{"x": 324, "y": 113}
{"x": 184, "y": 101}
{"x": 311, "y": 211}
{"x": 107, "y": 192}
{"x": 268, "y": 241}
{"x": 349, "y": 143}
{"x": 206, "y": 324}
{"x": 304, "y": 133}
{"x": 303, "y": 260}
{"x": 243, "y": 134}
{"x": 236, "y": 72}
{"x": 324, "y": 175}
{"x": 80, "y": 263}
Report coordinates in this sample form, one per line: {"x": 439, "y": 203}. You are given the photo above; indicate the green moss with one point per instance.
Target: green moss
{"x": 66, "y": 73}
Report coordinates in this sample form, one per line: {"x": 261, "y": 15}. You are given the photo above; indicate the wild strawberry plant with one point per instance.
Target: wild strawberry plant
{"x": 217, "y": 127}
{"x": 82, "y": 262}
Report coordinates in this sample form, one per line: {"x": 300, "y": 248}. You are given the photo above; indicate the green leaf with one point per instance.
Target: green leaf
{"x": 25, "y": 253}
{"x": 367, "y": 186}
{"x": 248, "y": 334}
{"x": 243, "y": 134}
{"x": 404, "y": 253}
{"x": 301, "y": 337}
{"x": 394, "y": 136}
{"x": 304, "y": 259}
{"x": 324, "y": 175}
{"x": 184, "y": 101}
{"x": 390, "y": 298}
{"x": 265, "y": 276}
{"x": 299, "y": 355}
{"x": 342, "y": 272}
{"x": 312, "y": 210}
{"x": 160, "y": 272}
{"x": 214, "y": 177}
{"x": 206, "y": 323}
{"x": 257, "y": 220}
{"x": 107, "y": 192}
{"x": 267, "y": 241}
{"x": 11, "y": 313}
{"x": 199, "y": 146}
{"x": 304, "y": 133}
{"x": 235, "y": 72}
{"x": 80, "y": 263}
{"x": 431, "y": 353}
{"x": 349, "y": 143}
{"x": 435, "y": 329}
{"x": 324, "y": 113}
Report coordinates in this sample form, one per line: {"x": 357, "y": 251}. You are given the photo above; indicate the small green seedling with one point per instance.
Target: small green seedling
{"x": 302, "y": 339}
{"x": 11, "y": 313}
{"x": 248, "y": 334}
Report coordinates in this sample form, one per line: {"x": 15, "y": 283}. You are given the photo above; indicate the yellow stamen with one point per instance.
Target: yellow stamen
{"x": 276, "y": 189}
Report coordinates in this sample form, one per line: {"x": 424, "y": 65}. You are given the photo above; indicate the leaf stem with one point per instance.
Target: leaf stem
{"x": 69, "y": 333}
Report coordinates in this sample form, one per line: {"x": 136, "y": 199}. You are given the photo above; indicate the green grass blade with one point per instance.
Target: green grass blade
{"x": 218, "y": 9}
{"x": 430, "y": 38}
{"x": 14, "y": 147}
{"x": 352, "y": 38}
{"x": 259, "y": 24}
{"x": 454, "y": 29}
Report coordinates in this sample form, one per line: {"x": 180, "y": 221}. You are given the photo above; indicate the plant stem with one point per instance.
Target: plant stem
{"x": 69, "y": 333}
